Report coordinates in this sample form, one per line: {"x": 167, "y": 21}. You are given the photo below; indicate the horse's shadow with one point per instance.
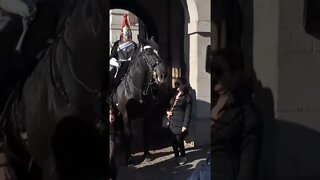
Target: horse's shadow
{"x": 165, "y": 166}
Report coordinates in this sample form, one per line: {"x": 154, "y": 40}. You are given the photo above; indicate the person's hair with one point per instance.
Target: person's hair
{"x": 183, "y": 80}
{"x": 234, "y": 58}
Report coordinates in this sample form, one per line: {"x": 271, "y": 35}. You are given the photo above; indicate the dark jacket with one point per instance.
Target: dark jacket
{"x": 125, "y": 53}
{"x": 181, "y": 114}
{"x": 235, "y": 143}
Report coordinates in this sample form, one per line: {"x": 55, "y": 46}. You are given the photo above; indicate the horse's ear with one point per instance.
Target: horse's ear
{"x": 141, "y": 40}
{"x": 153, "y": 43}
{"x": 152, "y": 39}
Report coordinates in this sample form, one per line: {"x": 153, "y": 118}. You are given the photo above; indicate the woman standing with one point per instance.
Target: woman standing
{"x": 235, "y": 126}
{"x": 179, "y": 116}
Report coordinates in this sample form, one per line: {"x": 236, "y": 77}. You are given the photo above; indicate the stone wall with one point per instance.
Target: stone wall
{"x": 286, "y": 64}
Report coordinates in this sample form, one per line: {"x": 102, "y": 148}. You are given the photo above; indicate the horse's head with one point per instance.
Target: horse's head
{"x": 149, "y": 51}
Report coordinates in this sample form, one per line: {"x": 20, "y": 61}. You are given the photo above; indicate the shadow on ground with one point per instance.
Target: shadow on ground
{"x": 163, "y": 166}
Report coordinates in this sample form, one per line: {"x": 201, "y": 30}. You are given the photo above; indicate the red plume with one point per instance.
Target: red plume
{"x": 125, "y": 21}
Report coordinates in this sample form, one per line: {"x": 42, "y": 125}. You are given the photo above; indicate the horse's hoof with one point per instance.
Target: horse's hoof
{"x": 147, "y": 158}
{"x": 130, "y": 162}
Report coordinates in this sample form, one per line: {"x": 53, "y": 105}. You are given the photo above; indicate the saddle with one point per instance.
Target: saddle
{"x": 117, "y": 74}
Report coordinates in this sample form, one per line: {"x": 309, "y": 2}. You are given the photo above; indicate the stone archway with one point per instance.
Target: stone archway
{"x": 182, "y": 28}
{"x": 157, "y": 23}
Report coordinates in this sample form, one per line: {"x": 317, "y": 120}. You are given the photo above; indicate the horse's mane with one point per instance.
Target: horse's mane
{"x": 137, "y": 52}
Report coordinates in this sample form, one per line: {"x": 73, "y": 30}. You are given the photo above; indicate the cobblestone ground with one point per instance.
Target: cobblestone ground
{"x": 163, "y": 165}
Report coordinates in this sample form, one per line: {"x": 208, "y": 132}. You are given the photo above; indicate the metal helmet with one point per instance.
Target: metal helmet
{"x": 126, "y": 30}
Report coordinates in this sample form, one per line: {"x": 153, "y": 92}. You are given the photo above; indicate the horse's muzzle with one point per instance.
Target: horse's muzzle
{"x": 159, "y": 79}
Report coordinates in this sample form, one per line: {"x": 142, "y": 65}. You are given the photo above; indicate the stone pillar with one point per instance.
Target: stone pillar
{"x": 199, "y": 38}
{"x": 265, "y": 44}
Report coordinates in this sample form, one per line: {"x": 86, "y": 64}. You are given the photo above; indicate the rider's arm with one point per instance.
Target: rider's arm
{"x": 114, "y": 53}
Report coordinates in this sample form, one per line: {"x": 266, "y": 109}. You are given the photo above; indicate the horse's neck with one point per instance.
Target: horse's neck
{"x": 87, "y": 44}
{"x": 139, "y": 75}
{"x": 88, "y": 40}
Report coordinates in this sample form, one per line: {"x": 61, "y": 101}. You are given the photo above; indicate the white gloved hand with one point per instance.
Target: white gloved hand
{"x": 114, "y": 62}
{"x": 15, "y": 7}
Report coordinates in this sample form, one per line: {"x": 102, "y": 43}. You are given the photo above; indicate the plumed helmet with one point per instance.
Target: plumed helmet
{"x": 126, "y": 30}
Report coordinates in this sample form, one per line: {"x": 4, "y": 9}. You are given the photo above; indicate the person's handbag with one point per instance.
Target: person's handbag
{"x": 165, "y": 119}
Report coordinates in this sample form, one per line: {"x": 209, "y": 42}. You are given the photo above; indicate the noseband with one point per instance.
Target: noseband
{"x": 151, "y": 68}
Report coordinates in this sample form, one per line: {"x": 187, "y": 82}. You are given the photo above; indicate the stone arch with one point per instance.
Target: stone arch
{"x": 183, "y": 30}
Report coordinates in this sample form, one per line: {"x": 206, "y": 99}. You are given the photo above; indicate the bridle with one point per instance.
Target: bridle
{"x": 151, "y": 70}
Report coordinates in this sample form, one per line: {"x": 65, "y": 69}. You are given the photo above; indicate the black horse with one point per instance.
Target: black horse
{"x": 131, "y": 99}
{"x": 60, "y": 106}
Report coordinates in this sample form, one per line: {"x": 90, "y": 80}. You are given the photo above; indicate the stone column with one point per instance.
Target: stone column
{"x": 199, "y": 36}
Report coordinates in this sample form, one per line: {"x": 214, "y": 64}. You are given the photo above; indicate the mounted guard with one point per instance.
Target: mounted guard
{"x": 121, "y": 53}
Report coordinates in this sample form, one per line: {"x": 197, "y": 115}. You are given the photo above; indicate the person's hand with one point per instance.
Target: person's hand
{"x": 169, "y": 113}
{"x": 184, "y": 129}
{"x": 111, "y": 118}
{"x": 114, "y": 62}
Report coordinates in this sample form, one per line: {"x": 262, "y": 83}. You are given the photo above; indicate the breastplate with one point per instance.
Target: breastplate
{"x": 125, "y": 49}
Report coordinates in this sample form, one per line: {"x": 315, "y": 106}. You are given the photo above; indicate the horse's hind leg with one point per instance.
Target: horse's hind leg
{"x": 112, "y": 164}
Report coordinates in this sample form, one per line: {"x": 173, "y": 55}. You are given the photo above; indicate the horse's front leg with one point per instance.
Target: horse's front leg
{"x": 147, "y": 156}
{"x": 127, "y": 139}
{"x": 146, "y": 117}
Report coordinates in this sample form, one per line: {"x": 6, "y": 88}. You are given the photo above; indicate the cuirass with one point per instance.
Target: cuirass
{"x": 125, "y": 49}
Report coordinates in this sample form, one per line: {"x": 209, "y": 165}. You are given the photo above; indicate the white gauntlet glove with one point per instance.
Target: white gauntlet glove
{"x": 114, "y": 62}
